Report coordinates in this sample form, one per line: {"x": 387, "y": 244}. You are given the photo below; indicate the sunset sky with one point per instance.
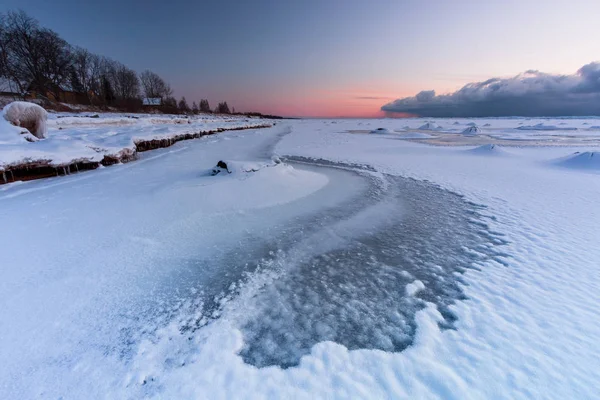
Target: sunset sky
{"x": 327, "y": 58}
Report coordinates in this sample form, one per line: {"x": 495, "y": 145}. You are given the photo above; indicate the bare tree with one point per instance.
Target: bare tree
{"x": 33, "y": 57}
{"x": 85, "y": 73}
{"x": 195, "y": 108}
{"x": 154, "y": 86}
{"x": 125, "y": 81}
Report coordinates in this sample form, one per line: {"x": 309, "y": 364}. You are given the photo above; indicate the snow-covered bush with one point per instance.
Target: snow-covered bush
{"x": 27, "y": 115}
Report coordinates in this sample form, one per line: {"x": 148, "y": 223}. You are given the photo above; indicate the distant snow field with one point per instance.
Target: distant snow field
{"x": 413, "y": 258}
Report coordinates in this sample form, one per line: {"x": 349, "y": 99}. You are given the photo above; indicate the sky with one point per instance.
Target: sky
{"x": 328, "y": 58}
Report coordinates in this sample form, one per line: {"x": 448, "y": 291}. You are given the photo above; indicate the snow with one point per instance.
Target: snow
{"x": 153, "y": 279}
{"x": 488, "y": 150}
{"x": 27, "y": 115}
{"x": 471, "y": 130}
{"x": 381, "y": 130}
{"x": 74, "y": 137}
{"x": 10, "y": 134}
{"x": 544, "y": 127}
{"x": 430, "y": 126}
{"x": 414, "y": 287}
{"x": 236, "y": 167}
{"x": 588, "y": 160}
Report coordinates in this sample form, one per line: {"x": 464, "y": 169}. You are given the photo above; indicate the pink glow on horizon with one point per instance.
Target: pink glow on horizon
{"x": 317, "y": 103}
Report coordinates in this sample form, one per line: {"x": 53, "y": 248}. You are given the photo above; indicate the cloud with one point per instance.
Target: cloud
{"x": 532, "y": 93}
{"x": 372, "y": 98}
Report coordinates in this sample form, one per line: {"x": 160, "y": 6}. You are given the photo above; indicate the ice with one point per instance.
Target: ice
{"x": 544, "y": 127}
{"x": 416, "y": 135}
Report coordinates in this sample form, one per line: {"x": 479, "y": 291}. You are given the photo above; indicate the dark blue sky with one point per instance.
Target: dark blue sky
{"x": 337, "y": 57}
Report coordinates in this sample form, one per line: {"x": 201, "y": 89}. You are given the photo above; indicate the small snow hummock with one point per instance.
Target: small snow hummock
{"x": 472, "y": 130}
{"x": 27, "y": 115}
{"x": 414, "y": 288}
{"x": 233, "y": 167}
{"x": 589, "y": 160}
{"x": 430, "y": 126}
{"x": 381, "y": 130}
{"x": 487, "y": 149}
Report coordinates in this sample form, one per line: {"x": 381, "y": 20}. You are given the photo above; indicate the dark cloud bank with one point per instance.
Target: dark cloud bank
{"x": 531, "y": 94}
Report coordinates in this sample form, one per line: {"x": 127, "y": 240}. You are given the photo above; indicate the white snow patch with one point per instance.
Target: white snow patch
{"x": 414, "y": 287}
{"x": 27, "y": 115}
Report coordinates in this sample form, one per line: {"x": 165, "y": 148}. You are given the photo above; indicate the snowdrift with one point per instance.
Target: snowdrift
{"x": 242, "y": 167}
{"x": 27, "y": 115}
{"x": 487, "y": 150}
{"x": 11, "y": 134}
{"x": 430, "y": 126}
{"x": 471, "y": 130}
{"x": 544, "y": 127}
{"x": 588, "y": 160}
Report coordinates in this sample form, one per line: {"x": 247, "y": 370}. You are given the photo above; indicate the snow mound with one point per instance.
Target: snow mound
{"x": 27, "y": 115}
{"x": 588, "y": 160}
{"x": 472, "y": 130}
{"x": 10, "y": 134}
{"x": 487, "y": 149}
{"x": 471, "y": 124}
{"x": 381, "y": 130}
{"x": 244, "y": 167}
{"x": 595, "y": 127}
{"x": 430, "y": 126}
{"x": 543, "y": 127}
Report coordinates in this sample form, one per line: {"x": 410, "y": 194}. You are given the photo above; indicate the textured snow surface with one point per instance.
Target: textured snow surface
{"x": 363, "y": 266}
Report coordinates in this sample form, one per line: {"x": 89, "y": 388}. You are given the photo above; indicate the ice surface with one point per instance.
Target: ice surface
{"x": 343, "y": 284}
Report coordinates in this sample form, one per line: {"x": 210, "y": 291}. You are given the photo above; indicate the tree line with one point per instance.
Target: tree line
{"x": 34, "y": 59}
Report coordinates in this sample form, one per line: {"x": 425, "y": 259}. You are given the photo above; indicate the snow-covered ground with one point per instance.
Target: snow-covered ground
{"x": 363, "y": 266}
{"x": 92, "y": 136}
